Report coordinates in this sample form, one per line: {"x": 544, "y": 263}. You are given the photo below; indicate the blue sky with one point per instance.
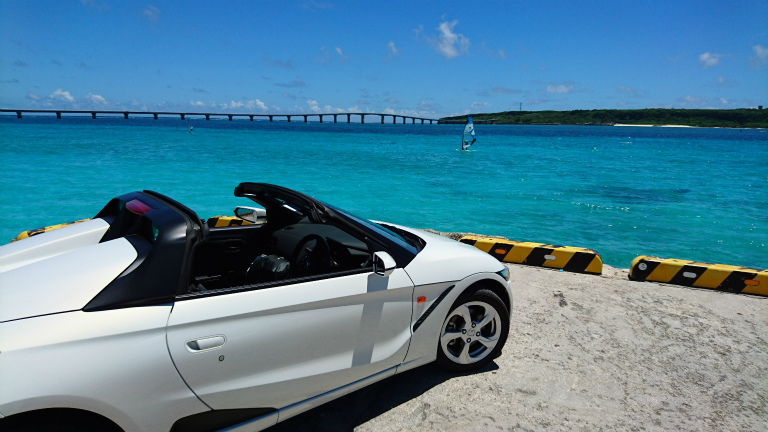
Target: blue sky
{"x": 420, "y": 58}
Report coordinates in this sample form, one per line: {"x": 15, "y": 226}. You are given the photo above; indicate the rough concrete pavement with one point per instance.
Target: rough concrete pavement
{"x": 588, "y": 353}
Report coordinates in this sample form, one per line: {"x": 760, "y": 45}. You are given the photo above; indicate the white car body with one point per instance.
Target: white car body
{"x": 266, "y": 354}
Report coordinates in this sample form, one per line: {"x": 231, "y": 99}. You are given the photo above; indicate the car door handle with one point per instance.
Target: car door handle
{"x": 206, "y": 343}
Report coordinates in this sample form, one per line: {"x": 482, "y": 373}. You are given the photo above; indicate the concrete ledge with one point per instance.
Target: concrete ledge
{"x": 701, "y": 275}
{"x": 34, "y": 232}
{"x": 569, "y": 258}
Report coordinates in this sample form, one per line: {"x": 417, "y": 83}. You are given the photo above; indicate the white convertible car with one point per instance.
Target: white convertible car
{"x": 146, "y": 318}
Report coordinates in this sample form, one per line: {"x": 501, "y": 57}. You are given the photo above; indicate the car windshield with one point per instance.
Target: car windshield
{"x": 412, "y": 246}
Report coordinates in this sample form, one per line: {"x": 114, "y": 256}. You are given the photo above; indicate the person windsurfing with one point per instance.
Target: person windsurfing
{"x": 469, "y": 134}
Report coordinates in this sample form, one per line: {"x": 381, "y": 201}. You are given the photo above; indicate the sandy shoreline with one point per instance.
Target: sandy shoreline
{"x": 588, "y": 353}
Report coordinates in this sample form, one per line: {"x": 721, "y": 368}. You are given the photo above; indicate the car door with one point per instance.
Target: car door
{"x": 273, "y": 347}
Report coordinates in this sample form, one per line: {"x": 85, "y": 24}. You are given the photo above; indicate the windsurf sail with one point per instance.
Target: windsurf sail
{"x": 469, "y": 134}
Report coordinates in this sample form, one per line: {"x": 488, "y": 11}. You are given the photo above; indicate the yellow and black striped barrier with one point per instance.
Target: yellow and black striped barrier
{"x": 225, "y": 221}
{"x": 574, "y": 259}
{"x": 701, "y": 275}
{"x": 34, "y": 232}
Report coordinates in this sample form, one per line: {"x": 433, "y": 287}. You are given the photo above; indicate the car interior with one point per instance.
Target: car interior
{"x": 285, "y": 247}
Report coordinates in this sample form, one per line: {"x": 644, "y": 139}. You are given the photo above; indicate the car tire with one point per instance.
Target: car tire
{"x": 474, "y": 331}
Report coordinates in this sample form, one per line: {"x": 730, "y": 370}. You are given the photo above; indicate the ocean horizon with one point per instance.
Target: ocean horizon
{"x": 688, "y": 193}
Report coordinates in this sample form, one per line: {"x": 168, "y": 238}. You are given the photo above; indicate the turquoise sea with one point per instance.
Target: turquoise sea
{"x": 688, "y": 193}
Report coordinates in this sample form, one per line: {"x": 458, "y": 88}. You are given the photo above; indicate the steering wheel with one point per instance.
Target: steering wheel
{"x": 312, "y": 256}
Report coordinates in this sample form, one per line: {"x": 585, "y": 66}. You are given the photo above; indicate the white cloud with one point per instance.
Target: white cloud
{"x": 389, "y": 111}
{"x": 708, "y": 59}
{"x": 693, "y": 102}
{"x": 417, "y": 31}
{"x": 234, "y": 104}
{"x": 559, "y": 88}
{"x": 62, "y": 96}
{"x": 199, "y": 104}
{"x": 96, "y": 99}
{"x": 327, "y": 57}
{"x": 760, "y": 59}
{"x": 450, "y": 44}
{"x": 152, "y": 13}
{"x": 255, "y": 104}
{"x": 313, "y": 105}
{"x": 33, "y": 97}
{"x": 343, "y": 58}
{"x": 478, "y": 105}
{"x": 392, "y": 48}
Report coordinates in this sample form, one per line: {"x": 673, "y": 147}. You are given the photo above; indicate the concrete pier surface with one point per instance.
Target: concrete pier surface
{"x": 587, "y": 353}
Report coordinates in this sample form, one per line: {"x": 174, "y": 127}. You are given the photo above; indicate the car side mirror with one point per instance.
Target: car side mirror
{"x": 383, "y": 264}
{"x": 251, "y": 214}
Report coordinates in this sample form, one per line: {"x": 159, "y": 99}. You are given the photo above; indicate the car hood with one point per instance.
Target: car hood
{"x": 64, "y": 279}
{"x": 445, "y": 260}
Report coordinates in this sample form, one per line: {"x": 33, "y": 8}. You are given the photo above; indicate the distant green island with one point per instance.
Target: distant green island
{"x": 734, "y": 118}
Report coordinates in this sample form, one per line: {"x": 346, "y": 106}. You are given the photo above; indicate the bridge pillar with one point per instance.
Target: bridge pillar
{"x": 207, "y": 116}
{"x": 270, "y": 118}
{"x": 334, "y": 118}
{"x": 413, "y": 120}
{"x": 362, "y": 118}
{"x": 289, "y": 118}
{"x": 182, "y": 116}
{"x": 422, "y": 121}
{"x": 230, "y": 117}
{"x": 305, "y": 119}
{"x": 251, "y": 117}
{"x": 348, "y": 117}
{"x": 382, "y": 119}
{"x": 18, "y": 114}
{"x": 93, "y": 115}
{"x": 394, "y": 119}
{"x": 321, "y": 117}
{"x": 154, "y": 115}
{"x": 125, "y": 115}
{"x": 58, "y": 114}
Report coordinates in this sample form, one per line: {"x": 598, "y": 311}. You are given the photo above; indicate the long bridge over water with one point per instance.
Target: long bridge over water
{"x": 184, "y": 115}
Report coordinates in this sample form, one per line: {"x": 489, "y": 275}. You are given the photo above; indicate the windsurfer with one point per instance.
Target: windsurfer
{"x": 469, "y": 132}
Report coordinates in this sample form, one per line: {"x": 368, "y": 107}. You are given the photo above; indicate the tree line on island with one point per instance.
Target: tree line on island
{"x": 735, "y": 118}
